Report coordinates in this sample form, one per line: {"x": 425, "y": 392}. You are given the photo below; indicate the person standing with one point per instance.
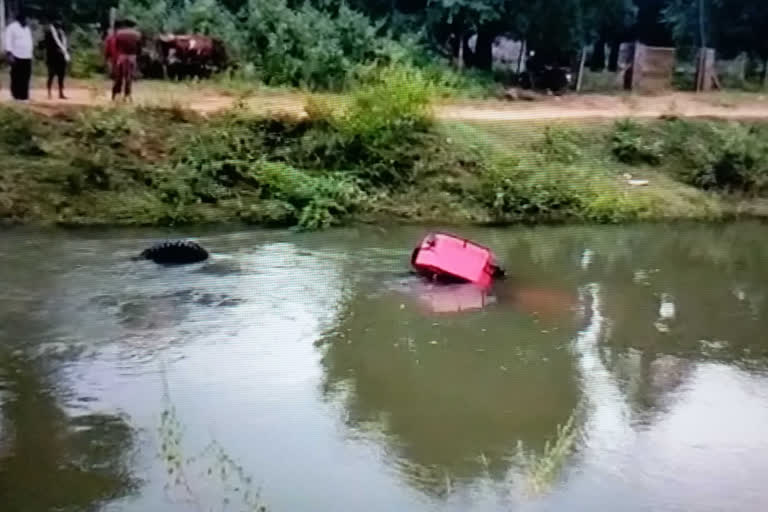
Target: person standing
{"x": 126, "y": 45}
{"x": 18, "y": 47}
{"x": 56, "y": 56}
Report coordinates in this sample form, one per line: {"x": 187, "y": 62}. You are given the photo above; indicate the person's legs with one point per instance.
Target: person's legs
{"x": 62, "y": 73}
{"x": 130, "y": 70}
{"x": 15, "y": 79}
{"x": 51, "y": 76}
{"x": 128, "y": 86}
{"x": 25, "y": 76}
{"x": 117, "y": 84}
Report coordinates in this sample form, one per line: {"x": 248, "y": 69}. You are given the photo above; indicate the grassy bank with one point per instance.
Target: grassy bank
{"x": 376, "y": 156}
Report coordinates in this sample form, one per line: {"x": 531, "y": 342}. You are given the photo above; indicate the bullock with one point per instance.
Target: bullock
{"x": 185, "y": 56}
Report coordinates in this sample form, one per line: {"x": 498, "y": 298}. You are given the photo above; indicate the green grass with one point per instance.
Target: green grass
{"x": 573, "y": 170}
{"x": 370, "y": 155}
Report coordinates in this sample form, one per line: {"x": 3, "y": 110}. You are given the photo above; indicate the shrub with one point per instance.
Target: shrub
{"x": 630, "y": 145}
{"x": 87, "y": 59}
{"x": 271, "y": 213}
{"x": 107, "y": 126}
{"x": 393, "y": 105}
{"x": 207, "y": 17}
{"x": 18, "y": 133}
{"x": 306, "y": 46}
{"x": 560, "y": 144}
{"x": 515, "y": 197}
{"x": 229, "y": 161}
{"x": 733, "y": 158}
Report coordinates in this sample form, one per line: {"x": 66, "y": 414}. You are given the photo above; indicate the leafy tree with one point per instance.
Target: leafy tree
{"x": 731, "y": 26}
{"x": 308, "y": 46}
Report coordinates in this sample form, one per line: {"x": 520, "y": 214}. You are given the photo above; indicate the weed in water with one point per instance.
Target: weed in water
{"x": 542, "y": 470}
{"x": 213, "y": 465}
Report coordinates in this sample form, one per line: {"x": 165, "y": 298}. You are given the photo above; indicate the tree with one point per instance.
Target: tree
{"x": 730, "y": 26}
{"x": 612, "y": 21}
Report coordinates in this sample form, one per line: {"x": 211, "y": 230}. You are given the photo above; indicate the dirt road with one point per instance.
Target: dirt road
{"x": 206, "y": 101}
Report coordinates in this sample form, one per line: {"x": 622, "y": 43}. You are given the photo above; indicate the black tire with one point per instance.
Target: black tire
{"x": 179, "y": 252}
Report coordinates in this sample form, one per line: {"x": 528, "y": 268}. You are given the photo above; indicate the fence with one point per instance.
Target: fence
{"x": 652, "y": 69}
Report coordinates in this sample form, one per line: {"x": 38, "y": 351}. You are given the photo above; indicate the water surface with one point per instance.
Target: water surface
{"x": 312, "y": 372}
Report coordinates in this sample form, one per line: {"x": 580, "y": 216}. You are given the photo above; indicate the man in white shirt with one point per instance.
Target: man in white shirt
{"x": 18, "y": 46}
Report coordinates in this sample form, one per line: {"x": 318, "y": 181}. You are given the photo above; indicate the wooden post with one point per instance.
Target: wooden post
{"x": 580, "y": 79}
{"x": 705, "y": 70}
{"x": 520, "y": 57}
{"x": 2, "y": 27}
{"x": 112, "y": 19}
{"x": 637, "y": 66}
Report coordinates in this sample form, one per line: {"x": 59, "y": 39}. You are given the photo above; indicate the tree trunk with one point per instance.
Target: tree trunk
{"x": 765, "y": 73}
{"x": 460, "y": 51}
{"x": 523, "y": 45}
{"x": 580, "y": 79}
{"x": 613, "y": 58}
{"x": 484, "y": 49}
{"x": 597, "y": 63}
{"x": 455, "y": 44}
{"x": 467, "y": 54}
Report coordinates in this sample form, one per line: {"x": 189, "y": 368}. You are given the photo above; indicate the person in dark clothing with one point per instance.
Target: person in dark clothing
{"x": 56, "y": 56}
{"x": 18, "y": 47}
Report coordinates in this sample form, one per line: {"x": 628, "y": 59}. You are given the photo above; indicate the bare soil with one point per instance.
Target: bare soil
{"x": 207, "y": 100}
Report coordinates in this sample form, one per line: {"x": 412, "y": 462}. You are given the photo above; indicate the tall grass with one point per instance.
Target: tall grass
{"x": 212, "y": 466}
{"x": 725, "y": 156}
{"x": 542, "y": 470}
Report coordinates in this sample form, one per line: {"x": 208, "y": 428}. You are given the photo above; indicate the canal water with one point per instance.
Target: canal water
{"x": 617, "y": 368}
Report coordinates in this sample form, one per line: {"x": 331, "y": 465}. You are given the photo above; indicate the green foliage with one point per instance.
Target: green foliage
{"x": 373, "y": 155}
{"x": 631, "y": 147}
{"x": 395, "y": 104}
{"x": 731, "y": 26}
{"x": 104, "y": 126}
{"x": 560, "y": 144}
{"x": 517, "y": 197}
{"x": 207, "y": 17}
{"x": 18, "y": 134}
{"x": 307, "y": 46}
{"x": 227, "y": 162}
{"x": 87, "y": 59}
{"x": 731, "y": 157}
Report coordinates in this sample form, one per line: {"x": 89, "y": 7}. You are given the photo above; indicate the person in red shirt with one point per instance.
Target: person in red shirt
{"x": 110, "y": 53}
{"x": 122, "y": 50}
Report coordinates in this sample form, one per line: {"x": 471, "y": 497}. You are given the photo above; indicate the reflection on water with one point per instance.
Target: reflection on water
{"x": 312, "y": 363}
{"x": 52, "y": 460}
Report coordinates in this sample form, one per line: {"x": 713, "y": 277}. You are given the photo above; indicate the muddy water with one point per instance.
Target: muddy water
{"x": 617, "y": 368}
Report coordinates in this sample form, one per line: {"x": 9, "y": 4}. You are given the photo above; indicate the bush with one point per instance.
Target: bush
{"x": 393, "y": 105}
{"x": 207, "y": 17}
{"x": 230, "y": 161}
{"x": 107, "y": 126}
{"x": 560, "y": 144}
{"x": 732, "y": 157}
{"x": 630, "y": 145}
{"x": 18, "y": 133}
{"x": 87, "y": 59}
{"x": 306, "y": 46}
{"x": 516, "y": 197}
